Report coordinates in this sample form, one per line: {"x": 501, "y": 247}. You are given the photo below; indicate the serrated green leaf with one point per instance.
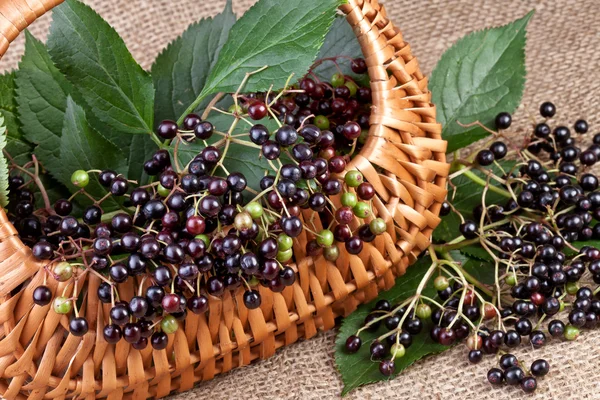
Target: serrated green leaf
{"x": 357, "y": 369}
{"x": 16, "y": 146}
{"x": 481, "y": 269}
{"x": 241, "y": 158}
{"x": 477, "y": 252}
{"x": 284, "y": 36}
{"x": 92, "y": 55}
{"x": 18, "y": 150}
{"x": 340, "y": 41}
{"x": 41, "y": 96}
{"x": 180, "y": 71}
{"x": 465, "y": 195}
{"x": 480, "y": 76}
{"x": 8, "y": 105}
{"x": 3, "y": 164}
{"x": 79, "y": 146}
{"x": 118, "y": 93}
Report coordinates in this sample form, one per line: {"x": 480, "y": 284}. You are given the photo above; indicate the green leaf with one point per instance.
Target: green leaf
{"x": 41, "y": 96}
{"x": 284, "y": 36}
{"x": 92, "y": 55}
{"x": 477, "y": 252}
{"x": 340, "y": 41}
{"x": 357, "y": 369}
{"x": 245, "y": 158}
{"x": 180, "y": 71}
{"x": 7, "y": 104}
{"x": 480, "y": 76}
{"x": 3, "y": 164}
{"x": 16, "y": 146}
{"x": 579, "y": 244}
{"x": 465, "y": 195}
{"x": 19, "y": 150}
{"x": 118, "y": 92}
{"x": 481, "y": 269}
{"x": 81, "y": 147}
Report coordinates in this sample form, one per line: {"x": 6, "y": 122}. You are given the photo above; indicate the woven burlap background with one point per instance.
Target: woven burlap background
{"x": 563, "y": 59}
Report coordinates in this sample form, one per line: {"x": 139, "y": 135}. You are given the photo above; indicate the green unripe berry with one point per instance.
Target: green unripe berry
{"x": 361, "y": 210}
{"x": 62, "y": 305}
{"x": 571, "y": 287}
{"x": 236, "y": 109}
{"x": 364, "y": 134}
{"x": 255, "y": 209}
{"x": 204, "y": 238}
{"x": 285, "y": 255}
{"x": 80, "y": 178}
{"x": 571, "y": 332}
{"x": 337, "y": 80}
{"x": 511, "y": 280}
{"x": 349, "y": 199}
{"x": 353, "y": 88}
{"x": 63, "y": 271}
{"x": 169, "y": 324}
{"x": 285, "y": 242}
{"x": 441, "y": 283}
{"x": 322, "y": 122}
{"x": 162, "y": 191}
{"x": 378, "y": 226}
{"x": 325, "y": 238}
{"x": 423, "y": 311}
{"x": 331, "y": 253}
{"x": 354, "y": 178}
{"x": 397, "y": 350}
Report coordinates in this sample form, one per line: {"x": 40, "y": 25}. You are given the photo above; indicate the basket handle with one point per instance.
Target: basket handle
{"x": 17, "y": 15}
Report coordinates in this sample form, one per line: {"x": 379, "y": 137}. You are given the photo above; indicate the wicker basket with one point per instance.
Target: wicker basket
{"x": 404, "y": 159}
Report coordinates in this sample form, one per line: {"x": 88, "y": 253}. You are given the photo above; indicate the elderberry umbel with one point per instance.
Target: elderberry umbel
{"x": 535, "y": 236}
{"x": 200, "y": 230}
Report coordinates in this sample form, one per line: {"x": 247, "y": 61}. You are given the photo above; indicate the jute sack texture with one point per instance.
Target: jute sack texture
{"x": 563, "y": 62}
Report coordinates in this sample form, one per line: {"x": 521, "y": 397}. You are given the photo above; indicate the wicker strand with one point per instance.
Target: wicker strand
{"x": 403, "y": 158}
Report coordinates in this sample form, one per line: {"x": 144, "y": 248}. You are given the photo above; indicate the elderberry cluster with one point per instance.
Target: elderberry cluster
{"x": 511, "y": 372}
{"x": 547, "y": 278}
{"x": 193, "y": 232}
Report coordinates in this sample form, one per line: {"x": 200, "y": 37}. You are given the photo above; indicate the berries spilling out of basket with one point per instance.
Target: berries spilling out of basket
{"x": 199, "y": 230}
{"x": 544, "y": 271}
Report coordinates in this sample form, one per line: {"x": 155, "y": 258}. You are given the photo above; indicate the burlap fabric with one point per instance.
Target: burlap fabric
{"x": 563, "y": 59}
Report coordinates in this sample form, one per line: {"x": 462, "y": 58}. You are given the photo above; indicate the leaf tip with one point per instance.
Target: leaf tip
{"x": 28, "y": 35}
{"x": 528, "y": 16}
{"x": 521, "y": 23}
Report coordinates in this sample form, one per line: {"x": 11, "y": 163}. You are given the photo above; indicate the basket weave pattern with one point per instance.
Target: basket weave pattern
{"x": 403, "y": 158}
